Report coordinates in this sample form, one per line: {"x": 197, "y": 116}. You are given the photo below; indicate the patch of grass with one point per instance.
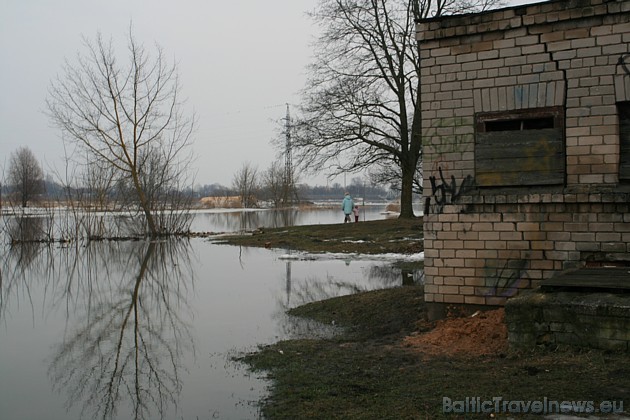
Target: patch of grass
{"x": 365, "y": 373}
{"x": 374, "y": 315}
{"x": 372, "y": 237}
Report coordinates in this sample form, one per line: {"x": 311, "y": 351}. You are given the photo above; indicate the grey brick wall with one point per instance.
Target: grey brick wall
{"x": 483, "y": 246}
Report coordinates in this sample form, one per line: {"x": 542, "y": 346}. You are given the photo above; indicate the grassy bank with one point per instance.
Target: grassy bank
{"x": 371, "y": 371}
{"x": 372, "y": 237}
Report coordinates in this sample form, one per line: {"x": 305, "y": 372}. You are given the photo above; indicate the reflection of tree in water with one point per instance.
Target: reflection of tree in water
{"x": 388, "y": 274}
{"x": 314, "y": 289}
{"x": 237, "y": 221}
{"x": 395, "y": 276}
{"x": 24, "y": 257}
{"x": 26, "y": 228}
{"x": 130, "y": 340}
{"x": 282, "y": 218}
{"x": 19, "y": 259}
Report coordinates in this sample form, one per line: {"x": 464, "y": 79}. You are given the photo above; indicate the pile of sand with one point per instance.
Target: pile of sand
{"x": 483, "y": 333}
{"x": 224, "y": 202}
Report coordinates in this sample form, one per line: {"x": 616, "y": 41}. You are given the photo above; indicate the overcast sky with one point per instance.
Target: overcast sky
{"x": 240, "y": 62}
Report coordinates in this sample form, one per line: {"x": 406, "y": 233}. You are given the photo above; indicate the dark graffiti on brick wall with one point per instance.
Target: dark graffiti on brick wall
{"x": 504, "y": 280}
{"x": 445, "y": 192}
{"x": 623, "y": 61}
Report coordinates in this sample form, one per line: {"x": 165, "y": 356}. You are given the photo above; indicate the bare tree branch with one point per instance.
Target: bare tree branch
{"x": 129, "y": 117}
{"x": 360, "y": 104}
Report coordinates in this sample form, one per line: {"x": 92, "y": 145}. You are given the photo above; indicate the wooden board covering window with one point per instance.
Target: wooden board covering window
{"x": 520, "y": 157}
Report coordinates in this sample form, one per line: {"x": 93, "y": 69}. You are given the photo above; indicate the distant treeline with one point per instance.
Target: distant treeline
{"x": 55, "y": 191}
{"x": 309, "y": 193}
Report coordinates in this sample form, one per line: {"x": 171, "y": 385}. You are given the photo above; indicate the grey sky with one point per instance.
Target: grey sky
{"x": 239, "y": 63}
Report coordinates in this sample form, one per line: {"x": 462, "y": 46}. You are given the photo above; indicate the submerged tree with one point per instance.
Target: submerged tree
{"x": 360, "y": 106}
{"x": 246, "y": 185}
{"x": 25, "y": 175}
{"x": 279, "y": 185}
{"x": 127, "y": 116}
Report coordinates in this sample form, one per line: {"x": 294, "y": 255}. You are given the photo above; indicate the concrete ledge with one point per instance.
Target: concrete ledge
{"x": 587, "y": 320}
{"x": 512, "y": 18}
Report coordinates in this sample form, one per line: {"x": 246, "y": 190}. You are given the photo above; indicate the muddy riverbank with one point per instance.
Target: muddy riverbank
{"x": 388, "y": 362}
{"x": 383, "y": 367}
{"x": 371, "y": 237}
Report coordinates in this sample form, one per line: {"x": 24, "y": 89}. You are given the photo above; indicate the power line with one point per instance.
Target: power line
{"x": 256, "y": 109}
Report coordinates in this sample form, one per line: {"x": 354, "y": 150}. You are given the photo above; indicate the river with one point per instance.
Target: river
{"x": 139, "y": 329}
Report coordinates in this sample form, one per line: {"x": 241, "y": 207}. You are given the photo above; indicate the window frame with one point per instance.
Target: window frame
{"x": 531, "y": 157}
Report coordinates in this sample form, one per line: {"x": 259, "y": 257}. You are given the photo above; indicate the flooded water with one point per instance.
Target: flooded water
{"x": 236, "y": 220}
{"x": 136, "y": 329}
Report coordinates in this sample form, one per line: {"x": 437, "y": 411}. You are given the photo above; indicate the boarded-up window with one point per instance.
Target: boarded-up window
{"x": 624, "y": 140}
{"x": 520, "y": 148}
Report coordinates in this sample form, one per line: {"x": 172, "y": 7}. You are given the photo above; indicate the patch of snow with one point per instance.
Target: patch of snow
{"x": 306, "y": 256}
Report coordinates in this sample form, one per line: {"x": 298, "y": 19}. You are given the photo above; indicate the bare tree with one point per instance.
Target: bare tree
{"x": 382, "y": 174}
{"x": 279, "y": 187}
{"x": 273, "y": 184}
{"x": 25, "y": 175}
{"x": 361, "y": 105}
{"x": 246, "y": 185}
{"x": 433, "y": 8}
{"x": 128, "y": 117}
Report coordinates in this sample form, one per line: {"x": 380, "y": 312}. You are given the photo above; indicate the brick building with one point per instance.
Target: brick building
{"x": 526, "y": 147}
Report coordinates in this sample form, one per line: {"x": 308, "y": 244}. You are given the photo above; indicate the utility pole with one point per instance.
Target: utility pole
{"x": 288, "y": 162}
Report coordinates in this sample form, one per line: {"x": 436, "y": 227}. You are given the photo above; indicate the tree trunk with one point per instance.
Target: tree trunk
{"x": 24, "y": 192}
{"x": 408, "y": 168}
{"x": 409, "y": 161}
{"x": 144, "y": 204}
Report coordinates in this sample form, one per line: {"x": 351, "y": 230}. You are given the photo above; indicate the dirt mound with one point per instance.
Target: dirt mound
{"x": 483, "y": 333}
{"x": 227, "y": 202}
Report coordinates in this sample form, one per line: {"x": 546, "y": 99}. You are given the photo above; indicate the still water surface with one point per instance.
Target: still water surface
{"x": 234, "y": 221}
{"x": 137, "y": 329}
